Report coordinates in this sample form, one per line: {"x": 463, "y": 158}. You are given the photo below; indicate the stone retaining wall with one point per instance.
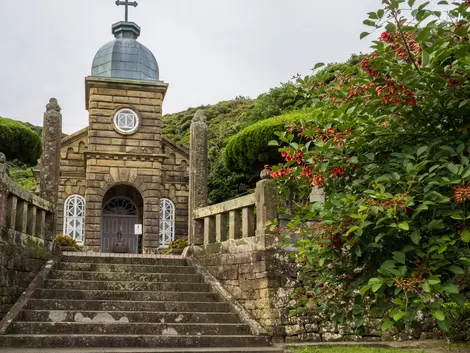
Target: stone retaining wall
{"x": 26, "y": 238}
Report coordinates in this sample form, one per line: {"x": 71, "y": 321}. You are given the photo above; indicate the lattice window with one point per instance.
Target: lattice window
{"x": 74, "y": 218}
{"x": 126, "y": 121}
{"x": 167, "y": 222}
{"x": 120, "y": 206}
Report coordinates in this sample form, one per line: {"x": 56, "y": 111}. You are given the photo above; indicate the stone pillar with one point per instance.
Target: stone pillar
{"x": 50, "y": 160}
{"x": 198, "y": 172}
{"x": 3, "y": 191}
{"x": 266, "y": 204}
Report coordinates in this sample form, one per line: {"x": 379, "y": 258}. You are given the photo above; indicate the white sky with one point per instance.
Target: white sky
{"x": 207, "y": 50}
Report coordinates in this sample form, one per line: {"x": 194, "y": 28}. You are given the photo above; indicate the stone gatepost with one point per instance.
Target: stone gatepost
{"x": 50, "y": 160}
{"x": 266, "y": 204}
{"x": 198, "y": 172}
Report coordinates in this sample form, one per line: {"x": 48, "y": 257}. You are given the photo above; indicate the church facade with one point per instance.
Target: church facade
{"x": 123, "y": 186}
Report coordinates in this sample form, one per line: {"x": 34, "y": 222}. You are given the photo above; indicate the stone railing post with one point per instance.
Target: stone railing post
{"x": 198, "y": 172}
{"x": 266, "y": 204}
{"x": 50, "y": 160}
{"x": 3, "y": 191}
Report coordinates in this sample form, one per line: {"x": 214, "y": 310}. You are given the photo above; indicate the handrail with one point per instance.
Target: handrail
{"x": 224, "y": 207}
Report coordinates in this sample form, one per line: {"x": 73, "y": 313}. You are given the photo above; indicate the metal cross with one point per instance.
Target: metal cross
{"x": 127, "y": 3}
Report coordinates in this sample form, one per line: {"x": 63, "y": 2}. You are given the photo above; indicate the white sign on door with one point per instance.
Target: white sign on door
{"x": 138, "y": 229}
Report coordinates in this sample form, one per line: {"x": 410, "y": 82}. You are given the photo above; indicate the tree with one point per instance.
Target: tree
{"x": 19, "y": 142}
{"x": 390, "y": 149}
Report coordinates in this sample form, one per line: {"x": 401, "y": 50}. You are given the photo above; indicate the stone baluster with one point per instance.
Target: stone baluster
{"x": 31, "y": 224}
{"x": 40, "y": 223}
{"x": 22, "y": 216}
{"x": 220, "y": 227}
{"x": 209, "y": 230}
{"x": 198, "y": 172}
{"x": 12, "y": 204}
{"x": 50, "y": 160}
{"x": 234, "y": 231}
{"x": 248, "y": 222}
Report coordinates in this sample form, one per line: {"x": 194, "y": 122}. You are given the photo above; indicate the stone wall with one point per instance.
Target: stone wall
{"x": 26, "y": 238}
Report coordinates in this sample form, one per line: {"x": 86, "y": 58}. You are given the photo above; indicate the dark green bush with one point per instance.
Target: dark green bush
{"x": 248, "y": 151}
{"x": 459, "y": 321}
{"x": 19, "y": 142}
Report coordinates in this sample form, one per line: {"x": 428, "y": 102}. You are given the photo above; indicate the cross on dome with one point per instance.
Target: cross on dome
{"x": 127, "y": 3}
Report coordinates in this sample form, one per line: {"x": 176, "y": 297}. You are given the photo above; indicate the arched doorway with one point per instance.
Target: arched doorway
{"x": 122, "y": 210}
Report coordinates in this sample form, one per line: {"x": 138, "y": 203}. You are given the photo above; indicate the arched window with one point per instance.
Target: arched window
{"x": 167, "y": 222}
{"x": 74, "y": 218}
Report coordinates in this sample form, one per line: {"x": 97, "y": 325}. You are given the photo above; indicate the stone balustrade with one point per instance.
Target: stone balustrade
{"x": 229, "y": 220}
{"x": 22, "y": 211}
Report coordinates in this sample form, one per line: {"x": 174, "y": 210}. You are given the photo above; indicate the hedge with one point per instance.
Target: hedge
{"x": 19, "y": 142}
{"x": 248, "y": 151}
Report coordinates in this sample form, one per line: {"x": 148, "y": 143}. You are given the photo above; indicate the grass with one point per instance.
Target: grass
{"x": 345, "y": 349}
{"x": 24, "y": 178}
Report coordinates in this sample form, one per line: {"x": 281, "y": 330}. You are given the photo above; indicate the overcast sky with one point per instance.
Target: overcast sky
{"x": 207, "y": 50}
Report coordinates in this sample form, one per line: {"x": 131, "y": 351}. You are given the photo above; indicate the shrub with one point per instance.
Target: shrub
{"x": 248, "y": 151}
{"x": 459, "y": 321}
{"x": 68, "y": 241}
{"x": 19, "y": 142}
{"x": 176, "y": 244}
{"x": 393, "y": 235}
{"x": 23, "y": 177}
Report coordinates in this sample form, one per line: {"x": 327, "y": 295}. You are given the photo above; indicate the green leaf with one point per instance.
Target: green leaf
{"x": 369, "y": 23}
{"x": 426, "y": 287}
{"x": 411, "y": 3}
{"x": 390, "y": 27}
{"x": 273, "y": 143}
{"x": 450, "y": 288}
{"x": 375, "y": 280}
{"x": 443, "y": 325}
{"x": 354, "y": 160}
{"x": 398, "y": 316}
{"x": 363, "y": 35}
{"x": 404, "y": 225}
{"x": 425, "y": 59}
{"x": 434, "y": 280}
{"x": 386, "y": 325}
{"x": 459, "y": 299}
{"x": 415, "y": 237}
{"x": 453, "y": 168}
{"x": 399, "y": 257}
{"x": 438, "y": 314}
{"x": 421, "y": 150}
{"x": 465, "y": 236}
{"x": 466, "y": 173}
{"x": 456, "y": 269}
{"x": 318, "y": 65}
{"x": 376, "y": 287}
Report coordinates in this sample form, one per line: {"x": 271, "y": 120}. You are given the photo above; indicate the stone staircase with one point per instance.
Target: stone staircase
{"x": 130, "y": 302}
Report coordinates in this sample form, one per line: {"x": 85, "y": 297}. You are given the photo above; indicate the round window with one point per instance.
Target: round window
{"x": 126, "y": 121}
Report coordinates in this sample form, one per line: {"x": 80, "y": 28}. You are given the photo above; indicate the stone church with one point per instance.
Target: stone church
{"x": 121, "y": 181}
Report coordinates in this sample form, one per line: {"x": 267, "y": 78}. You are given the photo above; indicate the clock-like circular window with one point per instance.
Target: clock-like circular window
{"x": 126, "y": 121}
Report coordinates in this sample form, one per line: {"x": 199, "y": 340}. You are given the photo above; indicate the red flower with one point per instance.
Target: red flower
{"x": 453, "y": 82}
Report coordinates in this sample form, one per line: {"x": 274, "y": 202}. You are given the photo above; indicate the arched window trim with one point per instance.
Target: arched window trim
{"x": 78, "y": 219}
{"x": 131, "y": 212}
{"x": 162, "y": 243}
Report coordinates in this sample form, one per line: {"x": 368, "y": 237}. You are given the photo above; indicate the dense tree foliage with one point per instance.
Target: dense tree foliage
{"x": 19, "y": 142}
{"x": 389, "y": 146}
{"x": 248, "y": 152}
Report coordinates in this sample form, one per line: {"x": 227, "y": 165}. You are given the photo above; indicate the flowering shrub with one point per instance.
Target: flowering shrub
{"x": 68, "y": 241}
{"x": 178, "y": 243}
{"x": 389, "y": 146}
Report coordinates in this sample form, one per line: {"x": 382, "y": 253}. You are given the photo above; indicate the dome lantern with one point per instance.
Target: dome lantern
{"x": 125, "y": 57}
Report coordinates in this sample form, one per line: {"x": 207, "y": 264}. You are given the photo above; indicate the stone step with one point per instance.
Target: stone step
{"x": 131, "y": 316}
{"x": 103, "y": 267}
{"x": 161, "y": 261}
{"x": 125, "y": 295}
{"x": 118, "y": 305}
{"x": 147, "y": 350}
{"x": 127, "y": 286}
{"x": 127, "y": 276}
{"x": 108, "y": 327}
{"x": 122, "y": 341}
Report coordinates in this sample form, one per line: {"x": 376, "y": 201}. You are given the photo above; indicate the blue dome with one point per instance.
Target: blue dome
{"x": 125, "y": 57}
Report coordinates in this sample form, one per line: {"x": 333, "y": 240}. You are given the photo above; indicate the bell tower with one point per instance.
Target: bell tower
{"x": 124, "y": 98}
